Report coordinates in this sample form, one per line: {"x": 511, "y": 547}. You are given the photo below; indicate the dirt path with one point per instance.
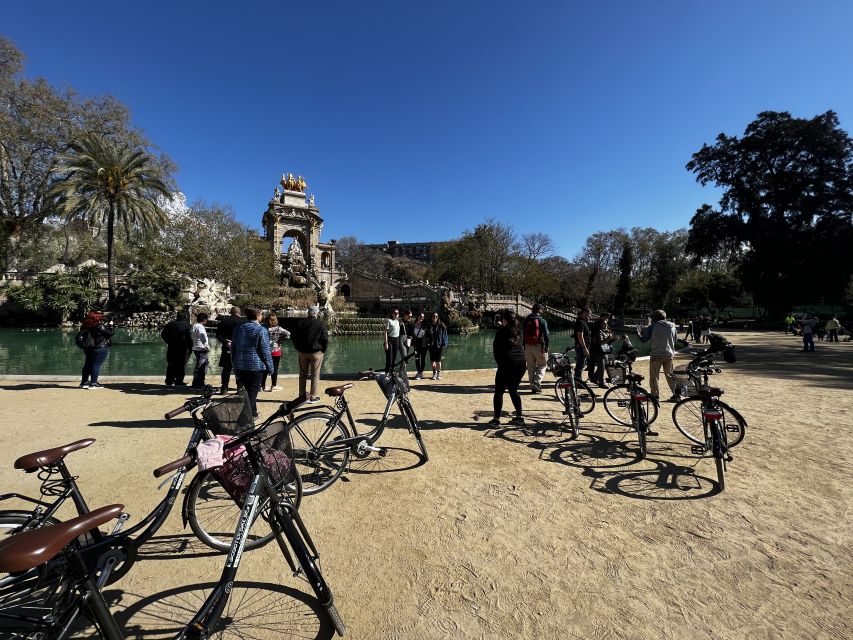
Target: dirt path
{"x": 510, "y": 533}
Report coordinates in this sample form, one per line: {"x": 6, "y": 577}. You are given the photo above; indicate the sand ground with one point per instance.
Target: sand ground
{"x": 508, "y": 532}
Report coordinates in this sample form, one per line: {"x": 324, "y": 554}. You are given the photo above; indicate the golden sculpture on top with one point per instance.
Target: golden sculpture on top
{"x": 293, "y": 183}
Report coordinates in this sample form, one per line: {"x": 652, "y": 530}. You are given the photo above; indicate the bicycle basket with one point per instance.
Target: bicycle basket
{"x": 232, "y": 415}
{"x": 560, "y": 365}
{"x": 276, "y": 455}
{"x": 615, "y": 374}
{"x": 386, "y": 383}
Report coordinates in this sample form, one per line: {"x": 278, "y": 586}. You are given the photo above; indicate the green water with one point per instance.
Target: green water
{"x": 141, "y": 352}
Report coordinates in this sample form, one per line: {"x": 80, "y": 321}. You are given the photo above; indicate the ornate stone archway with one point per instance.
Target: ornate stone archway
{"x": 291, "y": 213}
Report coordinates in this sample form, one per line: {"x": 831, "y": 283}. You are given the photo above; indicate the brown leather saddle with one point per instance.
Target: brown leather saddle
{"x": 338, "y": 391}
{"x": 33, "y": 461}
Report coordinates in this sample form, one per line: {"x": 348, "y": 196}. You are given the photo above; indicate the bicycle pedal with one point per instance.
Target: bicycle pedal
{"x": 699, "y": 450}
{"x": 729, "y": 457}
{"x": 382, "y": 452}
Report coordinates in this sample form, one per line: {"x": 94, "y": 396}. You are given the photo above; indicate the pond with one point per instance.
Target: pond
{"x": 141, "y": 352}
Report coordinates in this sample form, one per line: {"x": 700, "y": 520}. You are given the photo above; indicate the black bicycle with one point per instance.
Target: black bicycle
{"x": 207, "y": 506}
{"x": 55, "y": 575}
{"x": 638, "y": 401}
{"x": 324, "y": 439}
{"x": 715, "y": 432}
{"x": 687, "y": 414}
{"x": 617, "y": 399}
{"x": 562, "y": 368}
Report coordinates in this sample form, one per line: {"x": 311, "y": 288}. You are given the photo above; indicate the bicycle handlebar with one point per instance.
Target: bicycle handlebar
{"x": 186, "y": 461}
{"x": 176, "y": 412}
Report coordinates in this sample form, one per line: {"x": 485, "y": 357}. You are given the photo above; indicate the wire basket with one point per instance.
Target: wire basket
{"x": 231, "y": 416}
{"x": 684, "y": 385}
{"x": 615, "y": 374}
{"x": 386, "y": 383}
{"x": 275, "y": 453}
{"x": 560, "y": 365}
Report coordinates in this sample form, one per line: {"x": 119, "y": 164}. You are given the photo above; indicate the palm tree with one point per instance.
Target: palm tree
{"x": 104, "y": 182}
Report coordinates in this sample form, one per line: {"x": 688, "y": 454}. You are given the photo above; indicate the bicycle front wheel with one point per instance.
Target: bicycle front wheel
{"x": 313, "y": 436}
{"x": 640, "y": 425}
{"x": 585, "y": 396}
{"x": 687, "y": 417}
{"x": 617, "y": 404}
{"x": 719, "y": 450}
{"x": 213, "y": 514}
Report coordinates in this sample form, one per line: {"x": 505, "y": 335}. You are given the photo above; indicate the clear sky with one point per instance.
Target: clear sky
{"x": 415, "y": 121}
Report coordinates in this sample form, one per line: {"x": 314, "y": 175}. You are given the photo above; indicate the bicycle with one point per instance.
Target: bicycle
{"x": 715, "y": 432}
{"x": 569, "y": 391}
{"x": 562, "y": 368}
{"x": 54, "y": 577}
{"x": 204, "y": 494}
{"x": 617, "y": 399}
{"x": 687, "y": 412}
{"x": 639, "y": 400}
{"x": 323, "y": 441}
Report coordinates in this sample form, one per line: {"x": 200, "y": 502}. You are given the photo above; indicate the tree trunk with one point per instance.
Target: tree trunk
{"x": 111, "y": 276}
{"x": 13, "y": 247}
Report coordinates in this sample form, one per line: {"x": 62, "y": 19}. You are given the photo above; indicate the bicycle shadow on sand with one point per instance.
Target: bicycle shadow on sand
{"x": 254, "y": 610}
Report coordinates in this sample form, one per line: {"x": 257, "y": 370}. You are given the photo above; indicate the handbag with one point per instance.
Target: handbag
{"x": 607, "y": 348}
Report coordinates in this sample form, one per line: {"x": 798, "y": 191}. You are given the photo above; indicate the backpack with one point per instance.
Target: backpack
{"x": 84, "y": 339}
{"x": 532, "y": 331}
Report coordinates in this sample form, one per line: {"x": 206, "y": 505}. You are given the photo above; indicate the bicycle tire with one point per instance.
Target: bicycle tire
{"x": 318, "y": 470}
{"x": 719, "y": 452}
{"x": 640, "y": 424}
{"x": 212, "y": 513}
{"x": 617, "y": 403}
{"x": 571, "y": 416}
{"x": 585, "y": 394}
{"x": 412, "y": 420}
{"x": 687, "y": 418}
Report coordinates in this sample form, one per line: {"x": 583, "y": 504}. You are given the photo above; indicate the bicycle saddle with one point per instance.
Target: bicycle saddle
{"x": 33, "y": 461}
{"x": 636, "y": 377}
{"x": 338, "y": 391}
{"x": 34, "y": 547}
{"x": 712, "y": 391}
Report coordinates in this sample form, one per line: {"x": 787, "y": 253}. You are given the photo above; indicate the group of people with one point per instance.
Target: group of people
{"x": 251, "y": 349}
{"x": 699, "y": 329}
{"x": 808, "y": 328}
{"x": 522, "y": 346}
{"x": 408, "y": 334}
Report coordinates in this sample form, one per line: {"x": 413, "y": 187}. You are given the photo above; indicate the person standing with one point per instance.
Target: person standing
{"x": 277, "y": 335}
{"x": 536, "y": 341}
{"x": 201, "y": 349}
{"x": 509, "y": 351}
{"x": 790, "y": 320}
{"x": 251, "y": 356}
{"x": 689, "y": 333}
{"x": 96, "y": 348}
{"x": 832, "y": 326}
{"x": 177, "y": 335}
{"x": 406, "y": 333}
{"x": 224, "y": 333}
{"x": 662, "y": 335}
{"x": 601, "y": 337}
{"x": 311, "y": 339}
{"x": 436, "y": 343}
{"x": 808, "y": 336}
{"x": 419, "y": 342}
{"x": 392, "y": 339}
{"x": 705, "y": 329}
{"x": 583, "y": 337}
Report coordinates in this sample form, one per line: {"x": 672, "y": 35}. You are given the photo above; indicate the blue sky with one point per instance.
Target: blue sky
{"x": 416, "y": 121}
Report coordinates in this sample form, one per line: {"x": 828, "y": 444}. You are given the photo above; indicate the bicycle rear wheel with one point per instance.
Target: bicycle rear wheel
{"x": 719, "y": 450}
{"x": 319, "y": 467}
{"x": 617, "y": 404}
{"x": 412, "y": 420}
{"x": 640, "y": 425}
{"x": 571, "y": 414}
{"x": 584, "y": 394}
{"x": 213, "y": 514}
{"x": 687, "y": 417}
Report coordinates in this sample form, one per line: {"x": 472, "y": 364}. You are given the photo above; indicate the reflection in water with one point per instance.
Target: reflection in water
{"x": 141, "y": 352}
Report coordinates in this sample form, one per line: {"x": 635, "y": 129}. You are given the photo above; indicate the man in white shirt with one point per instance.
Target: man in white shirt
{"x": 201, "y": 349}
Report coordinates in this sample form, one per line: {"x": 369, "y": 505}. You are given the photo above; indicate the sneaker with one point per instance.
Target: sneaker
{"x": 438, "y": 376}
{"x": 95, "y": 385}
{"x": 649, "y": 432}
{"x": 313, "y": 399}
{"x": 517, "y": 420}
{"x": 536, "y": 389}
{"x": 222, "y": 390}
{"x": 674, "y": 398}
{"x": 84, "y": 385}
{"x": 276, "y": 388}
{"x": 494, "y": 422}
{"x": 255, "y": 415}
{"x": 419, "y": 377}
{"x": 433, "y": 376}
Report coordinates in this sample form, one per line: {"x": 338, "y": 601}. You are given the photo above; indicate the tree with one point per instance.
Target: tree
{"x": 786, "y": 211}
{"x": 623, "y": 286}
{"x": 38, "y": 122}
{"x": 104, "y": 182}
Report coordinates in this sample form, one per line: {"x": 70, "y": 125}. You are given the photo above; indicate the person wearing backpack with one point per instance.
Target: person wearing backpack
{"x": 94, "y": 339}
{"x": 536, "y": 340}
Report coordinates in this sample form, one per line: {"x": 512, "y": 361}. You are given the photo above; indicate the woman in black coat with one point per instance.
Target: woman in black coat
{"x": 508, "y": 349}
